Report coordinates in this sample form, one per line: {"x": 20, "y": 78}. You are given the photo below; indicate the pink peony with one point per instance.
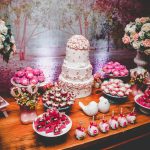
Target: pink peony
{"x": 126, "y": 39}
{"x": 146, "y": 43}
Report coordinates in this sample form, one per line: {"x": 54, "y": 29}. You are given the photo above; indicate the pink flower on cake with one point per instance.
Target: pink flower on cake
{"x": 146, "y": 43}
{"x": 126, "y": 39}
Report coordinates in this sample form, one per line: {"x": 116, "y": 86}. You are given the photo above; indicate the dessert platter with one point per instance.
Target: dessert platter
{"x": 115, "y": 70}
{"x": 58, "y": 98}
{"x": 76, "y": 74}
{"x": 115, "y": 90}
{"x": 28, "y": 76}
{"x": 52, "y": 123}
{"x": 143, "y": 102}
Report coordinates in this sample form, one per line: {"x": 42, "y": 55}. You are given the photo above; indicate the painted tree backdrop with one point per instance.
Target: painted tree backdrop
{"x": 42, "y": 27}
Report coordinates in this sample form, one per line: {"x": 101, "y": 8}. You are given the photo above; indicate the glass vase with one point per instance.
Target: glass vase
{"x": 27, "y": 116}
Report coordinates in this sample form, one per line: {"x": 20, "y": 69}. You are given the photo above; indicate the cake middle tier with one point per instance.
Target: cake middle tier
{"x": 77, "y": 57}
{"x": 76, "y": 74}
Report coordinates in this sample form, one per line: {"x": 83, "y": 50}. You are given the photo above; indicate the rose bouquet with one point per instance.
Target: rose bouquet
{"x": 26, "y": 97}
{"x": 137, "y": 34}
{"x": 7, "y": 42}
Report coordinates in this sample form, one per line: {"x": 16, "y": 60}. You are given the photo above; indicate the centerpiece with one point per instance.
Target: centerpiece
{"x": 137, "y": 34}
{"x": 26, "y": 98}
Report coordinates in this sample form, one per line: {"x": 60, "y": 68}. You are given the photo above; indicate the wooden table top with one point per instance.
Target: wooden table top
{"x": 14, "y": 135}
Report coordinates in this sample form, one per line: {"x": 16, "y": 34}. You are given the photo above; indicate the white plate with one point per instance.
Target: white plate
{"x": 43, "y": 133}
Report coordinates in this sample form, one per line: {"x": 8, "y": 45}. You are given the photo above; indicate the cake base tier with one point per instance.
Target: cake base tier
{"x": 80, "y": 89}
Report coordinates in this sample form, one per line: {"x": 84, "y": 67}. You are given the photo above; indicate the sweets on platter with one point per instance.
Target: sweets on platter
{"x": 58, "y": 97}
{"x": 116, "y": 87}
{"x": 51, "y": 121}
{"x": 28, "y": 76}
{"x": 115, "y": 69}
{"x": 144, "y": 100}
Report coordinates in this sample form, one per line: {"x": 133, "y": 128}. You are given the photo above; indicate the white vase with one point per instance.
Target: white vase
{"x": 140, "y": 59}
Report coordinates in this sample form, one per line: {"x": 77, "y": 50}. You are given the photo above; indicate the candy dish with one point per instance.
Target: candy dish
{"x": 48, "y": 128}
{"x": 115, "y": 99}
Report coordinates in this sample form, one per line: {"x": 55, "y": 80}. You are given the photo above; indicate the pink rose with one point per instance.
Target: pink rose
{"x": 135, "y": 36}
{"x": 146, "y": 43}
{"x": 144, "y": 19}
{"x": 126, "y": 39}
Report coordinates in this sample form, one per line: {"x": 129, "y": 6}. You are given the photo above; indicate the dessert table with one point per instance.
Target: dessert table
{"x": 14, "y": 135}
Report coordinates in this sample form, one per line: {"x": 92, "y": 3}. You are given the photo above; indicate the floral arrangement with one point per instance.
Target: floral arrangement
{"x": 26, "y": 97}
{"x": 7, "y": 42}
{"x": 57, "y": 97}
{"x": 137, "y": 34}
{"x": 97, "y": 80}
{"x": 138, "y": 76}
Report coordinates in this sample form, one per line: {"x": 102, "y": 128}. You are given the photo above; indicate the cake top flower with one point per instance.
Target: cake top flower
{"x": 78, "y": 42}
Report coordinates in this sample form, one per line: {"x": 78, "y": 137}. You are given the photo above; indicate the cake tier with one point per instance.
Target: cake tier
{"x": 76, "y": 74}
{"x": 80, "y": 89}
{"x": 76, "y": 58}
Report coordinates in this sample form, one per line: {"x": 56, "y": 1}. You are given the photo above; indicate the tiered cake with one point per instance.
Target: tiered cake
{"x": 76, "y": 72}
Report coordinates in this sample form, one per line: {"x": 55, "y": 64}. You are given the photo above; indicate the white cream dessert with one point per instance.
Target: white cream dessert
{"x": 76, "y": 72}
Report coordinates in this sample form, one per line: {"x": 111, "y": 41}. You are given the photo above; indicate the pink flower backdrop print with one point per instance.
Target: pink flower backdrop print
{"x": 41, "y": 30}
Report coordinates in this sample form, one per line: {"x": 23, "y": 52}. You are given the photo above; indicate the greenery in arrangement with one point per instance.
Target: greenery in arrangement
{"x": 137, "y": 34}
{"x": 26, "y": 97}
{"x": 7, "y": 42}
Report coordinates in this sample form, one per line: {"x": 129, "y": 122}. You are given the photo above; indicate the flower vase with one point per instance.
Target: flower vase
{"x": 140, "y": 59}
{"x": 27, "y": 116}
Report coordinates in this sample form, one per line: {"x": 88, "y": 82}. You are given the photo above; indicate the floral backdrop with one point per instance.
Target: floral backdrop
{"x": 41, "y": 29}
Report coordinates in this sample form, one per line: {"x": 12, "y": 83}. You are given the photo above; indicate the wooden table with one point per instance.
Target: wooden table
{"x": 14, "y": 135}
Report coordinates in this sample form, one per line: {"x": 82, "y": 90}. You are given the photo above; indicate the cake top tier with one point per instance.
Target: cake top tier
{"x": 78, "y": 42}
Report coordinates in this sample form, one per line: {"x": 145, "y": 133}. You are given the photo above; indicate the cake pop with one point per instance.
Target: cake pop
{"x": 104, "y": 126}
{"x": 80, "y": 132}
{"x": 92, "y": 128}
{"x": 131, "y": 117}
{"x": 122, "y": 119}
{"x": 113, "y": 122}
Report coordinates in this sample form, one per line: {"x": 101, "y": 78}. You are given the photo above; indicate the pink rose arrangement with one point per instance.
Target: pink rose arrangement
{"x": 29, "y": 76}
{"x": 137, "y": 34}
{"x": 7, "y": 42}
{"x": 115, "y": 69}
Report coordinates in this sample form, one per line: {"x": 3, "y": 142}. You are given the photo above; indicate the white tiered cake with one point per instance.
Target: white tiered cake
{"x": 76, "y": 72}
